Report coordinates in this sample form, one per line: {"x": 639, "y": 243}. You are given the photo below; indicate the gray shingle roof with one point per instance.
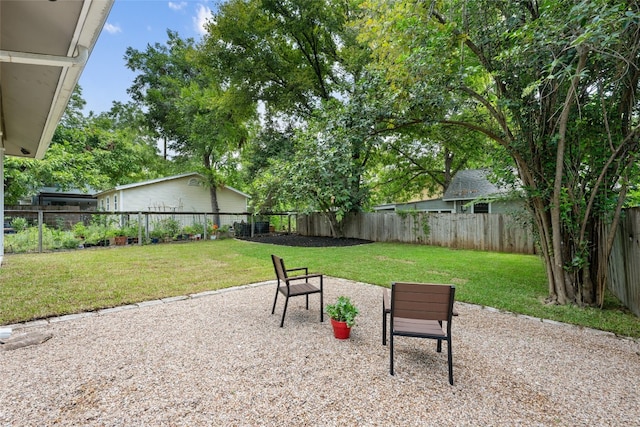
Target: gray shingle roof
{"x": 471, "y": 184}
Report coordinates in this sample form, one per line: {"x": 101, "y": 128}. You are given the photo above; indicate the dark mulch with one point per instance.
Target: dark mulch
{"x": 306, "y": 241}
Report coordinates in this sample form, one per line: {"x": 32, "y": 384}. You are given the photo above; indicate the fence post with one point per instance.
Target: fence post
{"x": 40, "y": 221}
{"x": 146, "y": 225}
{"x": 140, "y": 229}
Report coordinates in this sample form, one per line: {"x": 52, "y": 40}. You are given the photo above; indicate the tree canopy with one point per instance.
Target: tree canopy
{"x": 552, "y": 82}
{"x": 205, "y": 120}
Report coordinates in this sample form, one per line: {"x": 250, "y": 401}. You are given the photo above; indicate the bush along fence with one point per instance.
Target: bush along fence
{"x": 488, "y": 232}
{"x": 46, "y": 230}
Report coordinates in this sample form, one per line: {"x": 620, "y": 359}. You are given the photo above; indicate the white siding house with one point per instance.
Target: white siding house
{"x": 179, "y": 193}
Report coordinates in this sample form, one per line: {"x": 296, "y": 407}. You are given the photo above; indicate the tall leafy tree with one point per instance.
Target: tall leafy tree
{"x": 423, "y": 158}
{"x": 555, "y": 84}
{"x": 187, "y": 102}
{"x": 301, "y": 60}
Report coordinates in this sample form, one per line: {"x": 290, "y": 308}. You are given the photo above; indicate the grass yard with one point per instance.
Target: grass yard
{"x": 43, "y": 285}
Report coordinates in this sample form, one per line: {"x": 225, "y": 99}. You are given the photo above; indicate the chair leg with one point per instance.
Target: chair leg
{"x": 391, "y": 353}
{"x": 273, "y": 309}
{"x": 321, "y": 308}
{"x": 450, "y": 360}
{"x": 286, "y": 302}
{"x": 384, "y": 326}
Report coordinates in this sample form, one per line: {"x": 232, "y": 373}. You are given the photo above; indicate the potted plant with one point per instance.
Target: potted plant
{"x": 120, "y": 237}
{"x": 156, "y": 234}
{"x": 343, "y": 314}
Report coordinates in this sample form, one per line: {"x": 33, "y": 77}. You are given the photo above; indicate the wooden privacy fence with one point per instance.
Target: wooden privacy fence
{"x": 487, "y": 232}
{"x": 624, "y": 261}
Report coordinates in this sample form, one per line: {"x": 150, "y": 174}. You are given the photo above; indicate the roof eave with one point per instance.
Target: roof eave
{"x": 59, "y": 70}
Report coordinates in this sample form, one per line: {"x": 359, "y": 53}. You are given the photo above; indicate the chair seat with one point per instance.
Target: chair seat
{"x": 417, "y": 327}
{"x": 300, "y": 289}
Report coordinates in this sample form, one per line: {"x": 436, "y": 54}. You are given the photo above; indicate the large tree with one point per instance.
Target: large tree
{"x": 303, "y": 61}
{"x": 554, "y": 82}
{"x": 188, "y": 103}
{"x": 291, "y": 55}
{"x": 297, "y": 58}
{"x": 422, "y": 159}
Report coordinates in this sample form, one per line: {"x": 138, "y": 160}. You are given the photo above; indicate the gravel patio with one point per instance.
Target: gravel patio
{"x": 220, "y": 358}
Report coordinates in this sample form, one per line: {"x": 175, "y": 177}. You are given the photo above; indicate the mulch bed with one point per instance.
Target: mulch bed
{"x": 305, "y": 241}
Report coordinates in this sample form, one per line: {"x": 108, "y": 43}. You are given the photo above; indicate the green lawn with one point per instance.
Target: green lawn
{"x": 43, "y": 285}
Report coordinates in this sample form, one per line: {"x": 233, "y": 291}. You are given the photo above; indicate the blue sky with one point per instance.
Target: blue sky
{"x": 135, "y": 23}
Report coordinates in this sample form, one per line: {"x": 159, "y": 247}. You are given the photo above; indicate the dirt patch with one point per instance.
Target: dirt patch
{"x": 305, "y": 241}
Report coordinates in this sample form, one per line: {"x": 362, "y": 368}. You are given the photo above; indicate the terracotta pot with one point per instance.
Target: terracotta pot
{"x": 340, "y": 329}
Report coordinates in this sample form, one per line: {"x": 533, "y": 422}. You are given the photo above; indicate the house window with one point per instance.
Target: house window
{"x": 115, "y": 202}
{"x": 481, "y": 208}
{"x": 193, "y": 182}
{"x": 102, "y": 204}
{"x": 107, "y": 202}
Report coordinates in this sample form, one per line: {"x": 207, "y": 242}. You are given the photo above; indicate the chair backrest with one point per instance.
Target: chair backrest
{"x": 278, "y": 266}
{"x": 423, "y": 301}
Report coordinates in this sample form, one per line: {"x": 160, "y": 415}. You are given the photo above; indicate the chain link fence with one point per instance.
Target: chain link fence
{"x": 49, "y": 230}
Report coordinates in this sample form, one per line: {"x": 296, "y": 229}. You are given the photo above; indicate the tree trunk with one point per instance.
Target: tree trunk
{"x": 337, "y": 227}
{"x": 213, "y": 191}
{"x": 213, "y": 188}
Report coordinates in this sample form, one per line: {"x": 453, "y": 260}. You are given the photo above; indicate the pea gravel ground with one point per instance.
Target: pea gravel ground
{"x": 221, "y": 359}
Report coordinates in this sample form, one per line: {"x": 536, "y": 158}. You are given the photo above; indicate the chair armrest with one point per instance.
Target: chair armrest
{"x": 386, "y": 301}
{"x": 306, "y": 269}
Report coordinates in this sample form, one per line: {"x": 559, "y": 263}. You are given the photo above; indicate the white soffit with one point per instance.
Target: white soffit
{"x": 44, "y": 46}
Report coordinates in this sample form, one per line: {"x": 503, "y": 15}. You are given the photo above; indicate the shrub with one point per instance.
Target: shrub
{"x": 19, "y": 224}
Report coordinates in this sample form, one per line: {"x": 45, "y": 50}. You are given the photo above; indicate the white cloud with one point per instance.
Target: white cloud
{"x": 177, "y": 6}
{"x": 112, "y": 29}
{"x": 199, "y": 21}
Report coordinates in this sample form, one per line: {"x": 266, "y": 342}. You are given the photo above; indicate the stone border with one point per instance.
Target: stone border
{"x": 168, "y": 300}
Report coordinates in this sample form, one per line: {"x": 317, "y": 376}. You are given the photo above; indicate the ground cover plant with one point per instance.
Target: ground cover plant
{"x": 43, "y": 285}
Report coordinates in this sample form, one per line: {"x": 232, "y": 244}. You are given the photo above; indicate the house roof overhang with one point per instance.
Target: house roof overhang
{"x": 44, "y": 46}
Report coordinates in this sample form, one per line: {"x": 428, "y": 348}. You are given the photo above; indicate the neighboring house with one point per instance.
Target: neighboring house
{"x": 470, "y": 191}
{"x": 53, "y": 196}
{"x": 179, "y": 193}
{"x": 76, "y": 205}
{"x": 432, "y": 205}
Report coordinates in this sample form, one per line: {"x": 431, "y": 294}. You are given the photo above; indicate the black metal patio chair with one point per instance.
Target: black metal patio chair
{"x": 418, "y": 310}
{"x": 289, "y": 286}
